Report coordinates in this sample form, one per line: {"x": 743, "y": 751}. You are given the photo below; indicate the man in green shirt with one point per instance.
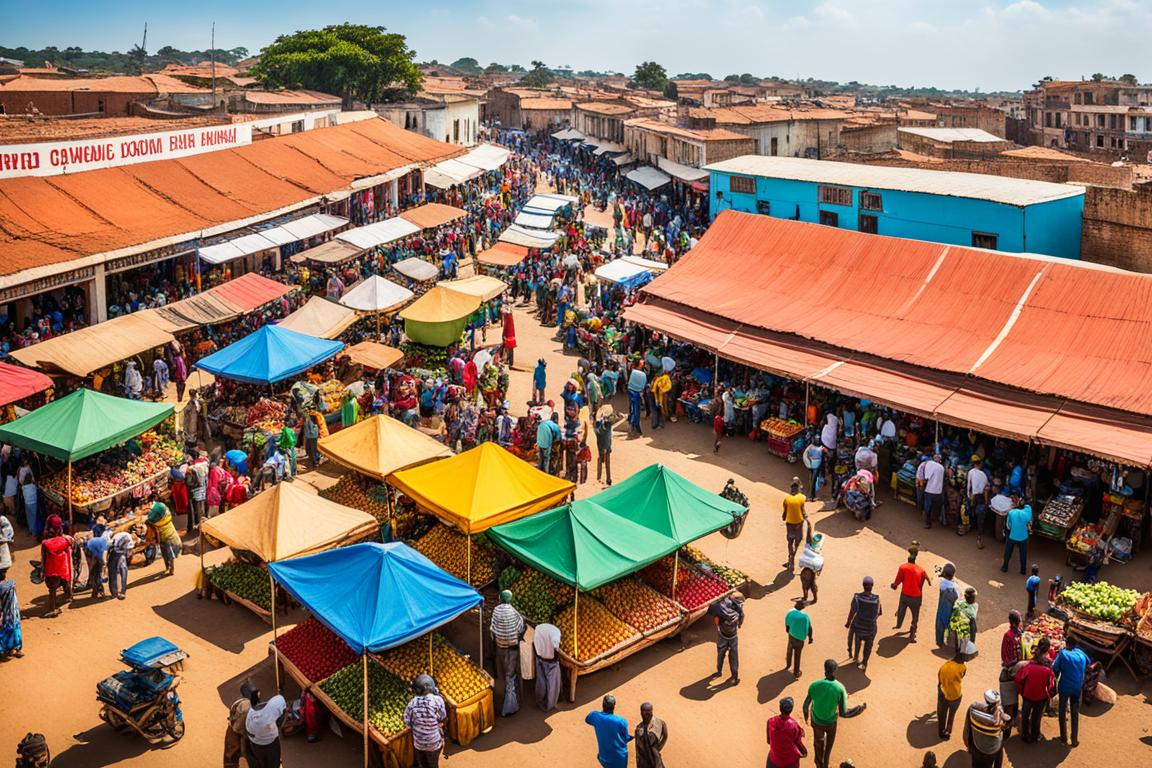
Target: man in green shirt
{"x": 799, "y": 628}
{"x": 827, "y": 700}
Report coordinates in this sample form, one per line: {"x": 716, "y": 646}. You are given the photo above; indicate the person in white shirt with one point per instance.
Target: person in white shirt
{"x": 933, "y": 490}
{"x": 978, "y": 498}
{"x": 888, "y": 429}
{"x": 263, "y": 728}
{"x": 545, "y": 642}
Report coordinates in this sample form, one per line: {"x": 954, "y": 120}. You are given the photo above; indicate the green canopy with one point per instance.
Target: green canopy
{"x": 83, "y": 424}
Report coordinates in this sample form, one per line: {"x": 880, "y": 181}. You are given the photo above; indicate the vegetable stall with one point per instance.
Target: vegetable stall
{"x": 438, "y": 317}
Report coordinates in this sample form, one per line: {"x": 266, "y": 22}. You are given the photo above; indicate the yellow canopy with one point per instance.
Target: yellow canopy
{"x": 379, "y": 446}
{"x": 288, "y": 521}
{"x": 440, "y": 305}
{"x": 372, "y": 354}
{"x": 480, "y": 488}
{"x": 483, "y": 287}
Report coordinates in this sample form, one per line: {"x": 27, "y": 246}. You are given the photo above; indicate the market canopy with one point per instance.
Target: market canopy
{"x": 680, "y": 171}
{"x": 236, "y": 248}
{"x": 251, "y": 291}
{"x": 17, "y": 383}
{"x": 397, "y": 594}
{"x": 549, "y": 202}
{"x": 288, "y": 521}
{"x": 439, "y": 316}
{"x": 380, "y": 233}
{"x": 648, "y": 177}
{"x": 503, "y": 255}
{"x": 225, "y": 302}
{"x": 381, "y": 445}
{"x": 482, "y": 487}
{"x": 416, "y": 269}
{"x": 432, "y": 215}
{"x": 373, "y": 354}
{"x": 83, "y": 424}
{"x": 321, "y": 318}
{"x": 533, "y": 220}
{"x": 568, "y": 134}
{"x": 89, "y": 349}
{"x": 487, "y": 157}
{"x": 335, "y": 251}
{"x": 268, "y": 355}
{"x": 529, "y": 238}
{"x": 483, "y": 287}
{"x": 449, "y": 173}
{"x": 630, "y": 271}
{"x": 375, "y": 294}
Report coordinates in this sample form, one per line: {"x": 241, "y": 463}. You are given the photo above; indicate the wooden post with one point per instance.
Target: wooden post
{"x": 469, "y": 579}
{"x": 576, "y": 625}
{"x": 377, "y": 326}
{"x": 364, "y": 659}
{"x": 69, "y": 495}
{"x": 430, "y": 672}
{"x": 276, "y": 654}
{"x": 480, "y": 610}
{"x": 675, "y": 572}
{"x": 807, "y": 394}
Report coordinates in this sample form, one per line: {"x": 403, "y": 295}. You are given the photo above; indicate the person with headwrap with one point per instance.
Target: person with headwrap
{"x": 507, "y": 629}
{"x": 11, "y": 637}
{"x": 948, "y": 597}
{"x": 133, "y": 381}
{"x": 861, "y": 624}
{"x": 56, "y": 555}
{"x": 985, "y": 729}
{"x": 167, "y": 539}
{"x": 426, "y": 714}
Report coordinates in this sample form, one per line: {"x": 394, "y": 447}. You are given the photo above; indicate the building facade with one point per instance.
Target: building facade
{"x": 1105, "y": 116}
{"x": 649, "y": 140}
{"x": 451, "y": 118}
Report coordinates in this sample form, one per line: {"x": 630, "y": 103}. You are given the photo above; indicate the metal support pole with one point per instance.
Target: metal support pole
{"x": 480, "y": 611}
{"x": 364, "y": 659}
{"x": 675, "y": 572}
{"x": 576, "y": 625}
{"x": 276, "y": 652}
{"x": 69, "y": 495}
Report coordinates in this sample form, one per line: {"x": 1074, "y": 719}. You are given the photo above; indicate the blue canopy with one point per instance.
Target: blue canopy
{"x": 375, "y": 596}
{"x": 269, "y": 355}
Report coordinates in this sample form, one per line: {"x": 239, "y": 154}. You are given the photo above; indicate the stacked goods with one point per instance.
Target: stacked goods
{"x": 351, "y": 492}
{"x": 315, "y": 650}
{"x": 637, "y": 605}
{"x": 1138, "y": 614}
{"x": 780, "y": 427}
{"x": 457, "y": 678}
{"x": 659, "y": 575}
{"x": 1085, "y": 538}
{"x": 328, "y": 396}
{"x": 700, "y": 590}
{"x": 1062, "y": 511}
{"x": 1100, "y": 600}
{"x": 731, "y": 576}
{"x": 598, "y": 631}
{"x": 424, "y": 355}
{"x": 1043, "y": 626}
{"x": 538, "y": 596}
{"x": 266, "y": 415}
{"x": 115, "y": 472}
{"x": 248, "y": 582}
{"x": 448, "y": 548}
{"x": 387, "y": 696}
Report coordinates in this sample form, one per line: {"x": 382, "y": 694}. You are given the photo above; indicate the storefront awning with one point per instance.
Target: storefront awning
{"x": 482, "y": 287}
{"x": 1083, "y": 428}
{"x": 487, "y": 157}
{"x": 332, "y": 252}
{"x": 380, "y": 233}
{"x": 86, "y": 350}
{"x": 757, "y": 349}
{"x": 903, "y": 391}
{"x": 683, "y": 324}
{"x": 549, "y": 203}
{"x": 609, "y": 147}
{"x": 17, "y": 383}
{"x": 648, "y": 177}
{"x": 680, "y": 171}
{"x": 998, "y": 411}
{"x": 624, "y": 159}
{"x": 237, "y": 248}
{"x": 251, "y": 291}
{"x": 529, "y": 238}
{"x": 451, "y": 171}
{"x": 629, "y": 271}
{"x": 374, "y": 355}
{"x": 534, "y": 220}
{"x": 503, "y": 255}
{"x": 310, "y": 226}
{"x": 321, "y": 318}
{"x": 568, "y": 134}
{"x": 416, "y": 269}
{"x": 431, "y": 215}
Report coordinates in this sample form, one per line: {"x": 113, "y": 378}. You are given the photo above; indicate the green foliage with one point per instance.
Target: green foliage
{"x": 1098, "y": 77}
{"x": 495, "y": 69}
{"x": 1129, "y": 79}
{"x": 650, "y": 76}
{"x": 539, "y": 77}
{"x": 356, "y": 61}
{"x": 467, "y": 64}
{"x": 103, "y": 62}
{"x": 693, "y": 76}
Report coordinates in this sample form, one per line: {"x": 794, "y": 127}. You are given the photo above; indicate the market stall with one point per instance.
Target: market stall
{"x": 1103, "y": 617}
{"x": 529, "y": 238}
{"x": 438, "y": 317}
{"x": 269, "y": 355}
{"x": 400, "y": 597}
{"x": 373, "y": 355}
{"x": 482, "y": 287}
{"x": 502, "y": 255}
{"x": 416, "y": 270}
{"x": 630, "y": 271}
{"x": 321, "y": 318}
{"x": 84, "y": 424}
{"x": 380, "y": 446}
{"x": 432, "y": 215}
{"x": 86, "y": 350}
{"x": 18, "y": 383}
{"x": 376, "y": 295}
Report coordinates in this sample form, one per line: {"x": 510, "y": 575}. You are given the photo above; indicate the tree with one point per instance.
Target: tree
{"x": 538, "y": 77}
{"x": 749, "y": 79}
{"x": 239, "y": 53}
{"x": 1129, "y": 79}
{"x": 693, "y": 76}
{"x": 356, "y": 61}
{"x": 495, "y": 69}
{"x": 731, "y": 78}
{"x": 516, "y": 68}
{"x": 138, "y": 55}
{"x": 649, "y": 76}
{"x": 1097, "y": 77}
{"x": 466, "y": 64}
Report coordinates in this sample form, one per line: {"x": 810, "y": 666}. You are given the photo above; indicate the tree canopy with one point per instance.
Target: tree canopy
{"x": 356, "y": 61}
{"x": 466, "y": 64}
{"x": 649, "y": 76}
{"x": 117, "y": 61}
{"x": 539, "y": 76}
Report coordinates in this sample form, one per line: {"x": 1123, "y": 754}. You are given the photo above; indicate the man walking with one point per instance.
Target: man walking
{"x": 637, "y": 383}
{"x": 729, "y": 615}
{"x": 236, "y": 733}
{"x": 933, "y": 490}
{"x": 826, "y": 702}
{"x": 119, "y": 554}
{"x": 651, "y": 736}
{"x": 861, "y": 624}
{"x": 785, "y": 738}
{"x": 1035, "y": 684}
{"x": 984, "y": 731}
{"x": 978, "y": 498}
{"x": 612, "y": 734}
{"x": 794, "y": 517}
{"x": 813, "y": 461}
{"x": 539, "y": 381}
{"x": 426, "y": 714}
{"x": 798, "y": 626}
{"x": 545, "y": 642}
{"x": 507, "y": 628}
{"x": 911, "y": 579}
{"x": 1070, "y": 666}
{"x": 1016, "y": 529}
{"x": 948, "y": 693}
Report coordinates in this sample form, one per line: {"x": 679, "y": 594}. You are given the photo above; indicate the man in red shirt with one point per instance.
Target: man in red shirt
{"x": 785, "y": 738}
{"x": 1036, "y": 684}
{"x": 911, "y": 579}
{"x": 1010, "y": 658}
{"x": 56, "y": 555}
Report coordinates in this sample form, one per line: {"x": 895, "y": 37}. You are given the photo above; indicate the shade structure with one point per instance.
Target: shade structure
{"x": 373, "y": 354}
{"x": 503, "y": 255}
{"x": 334, "y": 251}
{"x": 321, "y": 318}
{"x": 648, "y": 177}
{"x": 449, "y": 173}
{"x": 381, "y": 445}
{"x": 251, "y": 291}
{"x": 438, "y": 317}
{"x": 630, "y": 271}
{"x": 431, "y": 215}
{"x": 487, "y": 157}
{"x": 549, "y": 202}
{"x": 482, "y": 487}
{"x": 568, "y": 134}
{"x": 89, "y": 349}
{"x": 226, "y": 301}
{"x": 380, "y": 233}
{"x": 397, "y": 594}
{"x": 375, "y": 294}
{"x": 17, "y": 383}
{"x": 533, "y": 220}
{"x": 268, "y": 355}
{"x": 482, "y": 287}
{"x": 679, "y": 171}
{"x": 416, "y": 269}
{"x": 83, "y": 424}
{"x": 288, "y": 521}
{"x": 529, "y": 238}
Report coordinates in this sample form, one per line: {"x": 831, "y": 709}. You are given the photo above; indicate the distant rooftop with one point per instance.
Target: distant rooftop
{"x": 949, "y": 135}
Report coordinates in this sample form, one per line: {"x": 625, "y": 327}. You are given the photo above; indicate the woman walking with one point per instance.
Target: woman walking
{"x": 948, "y": 597}
{"x": 962, "y": 626}
{"x": 11, "y": 639}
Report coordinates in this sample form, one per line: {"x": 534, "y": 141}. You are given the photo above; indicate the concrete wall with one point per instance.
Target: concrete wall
{"x": 71, "y": 102}
{"x": 868, "y": 140}
{"x": 1118, "y": 227}
{"x": 1037, "y": 170}
{"x": 925, "y": 145}
{"x": 797, "y": 138}
{"x": 545, "y": 119}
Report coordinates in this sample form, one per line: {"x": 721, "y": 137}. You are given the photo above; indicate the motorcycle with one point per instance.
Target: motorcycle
{"x": 144, "y": 696}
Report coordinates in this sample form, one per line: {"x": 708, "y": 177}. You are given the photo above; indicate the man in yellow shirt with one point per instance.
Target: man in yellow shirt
{"x": 794, "y": 518}
{"x": 948, "y": 693}
{"x": 661, "y": 386}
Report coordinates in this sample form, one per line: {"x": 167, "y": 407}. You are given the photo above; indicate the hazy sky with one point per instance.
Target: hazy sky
{"x": 987, "y": 44}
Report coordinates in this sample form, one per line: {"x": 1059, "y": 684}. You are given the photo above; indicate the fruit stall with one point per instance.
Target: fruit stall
{"x": 1104, "y": 617}
{"x": 781, "y": 434}
{"x": 367, "y": 617}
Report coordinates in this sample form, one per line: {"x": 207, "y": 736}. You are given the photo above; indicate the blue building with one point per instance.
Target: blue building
{"x": 969, "y": 209}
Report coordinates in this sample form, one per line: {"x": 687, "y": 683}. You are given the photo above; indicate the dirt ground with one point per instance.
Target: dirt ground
{"x": 52, "y": 689}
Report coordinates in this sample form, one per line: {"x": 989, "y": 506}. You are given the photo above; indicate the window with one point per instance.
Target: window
{"x": 1047, "y": 119}
{"x": 455, "y": 131}
{"x": 297, "y": 126}
{"x": 1132, "y": 123}
{"x": 869, "y": 224}
{"x": 1099, "y": 141}
{"x": 836, "y": 195}
{"x": 776, "y": 145}
{"x": 1077, "y": 98}
{"x": 1088, "y": 98}
{"x": 764, "y": 207}
{"x": 984, "y": 240}
{"x": 742, "y": 185}
{"x": 1112, "y": 122}
{"x": 871, "y": 201}
{"x": 830, "y": 218}
{"x": 1099, "y": 121}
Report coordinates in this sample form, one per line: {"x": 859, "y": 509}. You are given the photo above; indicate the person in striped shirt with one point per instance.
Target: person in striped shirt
{"x": 426, "y": 715}
{"x": 507, "y": 628}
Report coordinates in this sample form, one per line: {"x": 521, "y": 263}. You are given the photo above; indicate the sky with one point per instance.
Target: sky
{"x": 986, "y": 44}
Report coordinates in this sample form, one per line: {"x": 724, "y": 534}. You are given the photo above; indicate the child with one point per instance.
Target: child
{"x": 1033, "y": 586}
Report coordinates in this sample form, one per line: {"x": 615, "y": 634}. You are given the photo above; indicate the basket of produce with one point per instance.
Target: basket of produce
{"x": 343, "y": 695}
{"x": 733, "y": 577}
{"x": 1085, "y": 538}
{"x": 639, "y": 606}
{"x": 448, "y": 548}
{"x": 598, "y": 632}
{"x": 266, "y": 415}
{"x": 311, "y": 652}
{"x": 353, "y": 492}
{"x": 1100, "y": 601}
{"x": 1043, "y": 625}
{"x": 695, "y": 590}
{"x": 536, "y": 595}
{"x": 245, "y": 584}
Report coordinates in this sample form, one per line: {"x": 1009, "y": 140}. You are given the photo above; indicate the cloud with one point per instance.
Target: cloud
{"x": 520, "y": 21}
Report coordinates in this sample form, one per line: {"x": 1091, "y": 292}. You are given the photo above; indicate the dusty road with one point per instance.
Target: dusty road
{"x": 52, "y": 688}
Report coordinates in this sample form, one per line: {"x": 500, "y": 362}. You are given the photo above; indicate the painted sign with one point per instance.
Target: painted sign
{"x": 52, "y": 158}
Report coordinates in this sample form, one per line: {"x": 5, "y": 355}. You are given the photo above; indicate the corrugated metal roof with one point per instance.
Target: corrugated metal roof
{"x": 997, "y": 189}
{"x": 952, "y": 134}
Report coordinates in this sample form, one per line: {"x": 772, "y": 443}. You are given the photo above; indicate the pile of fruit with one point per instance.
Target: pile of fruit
{"x": 249, "y": 582}
{"x": 424, "y": 355}
{"x": 448, "y": 548}
{"x": 113, "y": 473}
{"x": 636, "y": 604}
{"x": 328, "y": 396}
{"x": 599, "y": 630}
{"x": 700, "y": 590}
{"x": 1100, "y": 600}
{"x": 351, "y": 492}
{"x": 1043, "y": 626}
{"x": 1085, "y": 538}
{"x": 456, "y": 677}
{"x": 387, "y": 696}
{"x": 266, "y": 415}
{"x": 315, "y": 650}
{"x": 731, "y": 576}
{"x": 538, "y": 596}
{"x": 780, "y": 427}
{"x": 659, "y": 575}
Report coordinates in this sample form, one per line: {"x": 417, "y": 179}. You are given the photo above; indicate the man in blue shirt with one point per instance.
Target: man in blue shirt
{"x": 637, "y": 383}
{"x": 1070, "y": 666}
{"x": 539, "y": 381}
{"x": 1016, "y": 533}
{"x": 1032, "y": 586}
{"x": 546, "y": 434}
{"x": 612, "y": 735}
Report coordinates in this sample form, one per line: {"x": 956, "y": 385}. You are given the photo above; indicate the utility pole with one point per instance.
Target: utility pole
{"x": 212, "y": 58}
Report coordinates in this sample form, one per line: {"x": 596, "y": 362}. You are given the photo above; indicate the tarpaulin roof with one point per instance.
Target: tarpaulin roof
{"x": 432, "y": 215}
{"x": 217, "y": 305}
{"x": 568, "y": 134}
{"x": 310, "y": 226}
{"x": 335, "y": 251}
{"x": 452, "y": 171}
{"x": 288, "y": 521}
{"x": 998, "y": 411}
{"x": 268, "y": 355}
{"x": 17, "y": 383}
{"x": 375, "y": 294}
{"x": 89, "y": 349}
{"x": 548, "y": 202}
{"x": 648, "y": 177}
{"x": 483, "y": 287}
{"x": 503, "y": 255}
{"x": 624, "y": 159}
{"x": 629, "y": 271}
{"x": 397, "y": 594}
{"x": 682, "y": 172}
{"x": 321, "y": 318}
{"x": 1098, "y": 432}
{"x": 416, "y": 269}
{"x": 534, "y": 220}
{"x": 381, "y": 445}
{"x": 529, "y": 238}
{"x": 236, "y": 248}
{"x": 487, "y": 157}
{"x": 372, "y": 354}
{"x": 482, "y": 487}
{"x": 251, "y": 291}
{"x": 83, "y": 424}
{"x": 440, "y": 305}
{"x": 380, "y": 233}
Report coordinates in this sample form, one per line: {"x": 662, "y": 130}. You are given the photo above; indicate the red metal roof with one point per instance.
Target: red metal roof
{"x": 17, "y": 383}
{"x": 250, "y": 291}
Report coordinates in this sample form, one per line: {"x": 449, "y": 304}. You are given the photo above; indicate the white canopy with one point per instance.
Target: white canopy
{"x": 319, "y": 317}
{"x": 273, "y": 237}
{"x": 648, "y": 177}
{"x": 236, "y": 248}
{"x": 534, "y": 220}
{"x": 682, "y": 172}
{"x": 380, "y": 233}
{"x": 529, "y": 238}
{"x": 310, "y": 226}
{"x": 433, "y": 178}
{"x": 376, "y": 294}
{"x": 548, "y": 203}
{"x": 416, "y": 269}
{"x": 605, "y": 147}
{"x": 487, "y": 157}
{"x": 627, "y": 268}
{"x": 624, "y": 159}
{"x": 453, "y": 169}
{"x": 568, "y": 134}
{"x": 484, "y": 287}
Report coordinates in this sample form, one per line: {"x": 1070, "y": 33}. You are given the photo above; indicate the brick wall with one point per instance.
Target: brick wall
{"x": 1057, "y": 172}
{"x": 1118, "y": 227}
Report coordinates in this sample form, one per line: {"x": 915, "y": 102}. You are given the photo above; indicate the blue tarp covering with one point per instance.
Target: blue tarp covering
{"x": 269, "y": 355}
{"x": 375, "y": 596}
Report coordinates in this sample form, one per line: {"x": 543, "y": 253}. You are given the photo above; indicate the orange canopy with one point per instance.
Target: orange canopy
{"x": 503, "y": 255}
